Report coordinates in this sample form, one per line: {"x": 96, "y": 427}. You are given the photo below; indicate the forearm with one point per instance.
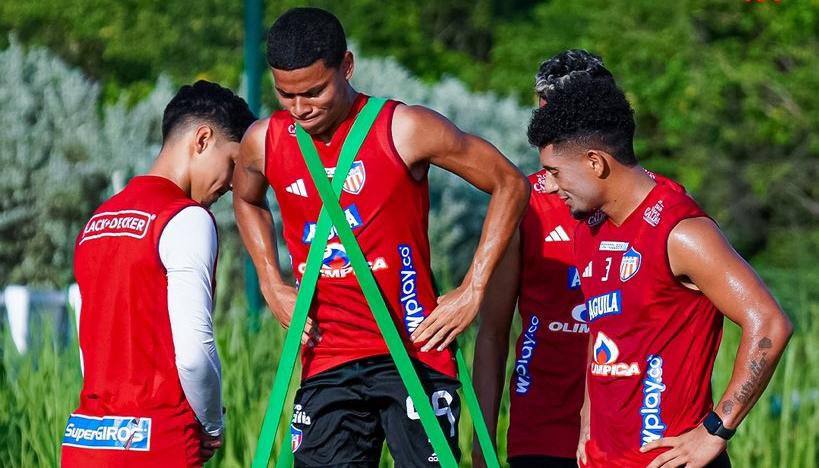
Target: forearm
{"x": 491, "y": 350}
{"x": 759, "y": 351}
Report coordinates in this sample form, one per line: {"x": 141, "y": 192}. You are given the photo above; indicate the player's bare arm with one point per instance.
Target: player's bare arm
{"x": 585, "y": 412}
{"x": 424, "y": 137}
{"x": 492, "y": 344}
{"x": 257, "y": 229}
{"x": 699, "y": 253}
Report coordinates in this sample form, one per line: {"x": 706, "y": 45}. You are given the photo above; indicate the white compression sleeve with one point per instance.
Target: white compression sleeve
{"x": 187, "y": 248}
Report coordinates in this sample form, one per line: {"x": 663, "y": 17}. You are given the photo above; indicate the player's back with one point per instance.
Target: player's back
{"x": 131, "y": 392}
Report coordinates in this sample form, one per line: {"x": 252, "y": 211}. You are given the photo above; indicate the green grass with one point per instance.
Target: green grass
{"x": 38, "y": 390}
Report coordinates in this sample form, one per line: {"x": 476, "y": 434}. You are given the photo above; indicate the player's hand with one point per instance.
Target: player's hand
{"x": 693, "y": 449}
{"x": 283, "y": 303}
{"x": 456, "y": 310}
{"x": 581, "y": 443}
{"x": 208, "y": 445}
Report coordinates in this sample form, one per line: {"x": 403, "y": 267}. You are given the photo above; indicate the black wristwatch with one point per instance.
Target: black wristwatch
{"x": 713, "y": 424}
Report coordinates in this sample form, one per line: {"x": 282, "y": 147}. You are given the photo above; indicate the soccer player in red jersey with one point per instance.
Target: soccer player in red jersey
{"x": 537, "y": 272}
{"x": 351, "y": 397}
{"x": 145, "y": 265}
{"x": 661, "y": 276}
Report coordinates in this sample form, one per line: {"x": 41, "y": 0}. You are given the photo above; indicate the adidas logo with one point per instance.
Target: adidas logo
{"x": 557, "y": 235}
{"x": 587, "y": 272}
{"x": 297, "y": 188}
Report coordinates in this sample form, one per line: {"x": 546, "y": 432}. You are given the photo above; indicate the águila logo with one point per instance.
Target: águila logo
{"x": 605, "y": 362}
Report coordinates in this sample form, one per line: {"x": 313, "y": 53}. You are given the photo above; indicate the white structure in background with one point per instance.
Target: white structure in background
{"x": 22, "y": 304}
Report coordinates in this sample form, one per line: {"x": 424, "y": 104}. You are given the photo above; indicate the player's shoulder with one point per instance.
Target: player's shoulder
{"x": 417, "y": 118}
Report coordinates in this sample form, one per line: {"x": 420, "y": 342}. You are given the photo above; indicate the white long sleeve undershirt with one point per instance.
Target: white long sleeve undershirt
{"x": 187, "y": 248}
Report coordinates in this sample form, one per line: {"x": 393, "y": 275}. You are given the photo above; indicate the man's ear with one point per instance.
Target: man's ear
{"x": 347, "y": 65}
{"x": 203, "y": 137}
{"x": 598, "y": 161}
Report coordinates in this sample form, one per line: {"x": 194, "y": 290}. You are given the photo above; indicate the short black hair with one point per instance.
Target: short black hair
{"x": 587, "y": 108}
{"x": 302, "y": 36}
{"x": 568, "y": 65}
{"x": 211, "y": 103}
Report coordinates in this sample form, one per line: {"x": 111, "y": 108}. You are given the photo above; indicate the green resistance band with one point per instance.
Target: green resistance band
{"x": 331, "y": 208}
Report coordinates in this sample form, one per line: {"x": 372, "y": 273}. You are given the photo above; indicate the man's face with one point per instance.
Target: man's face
{"x": 212, "y": 170}
{"x": 572, "y": 177}
{"x": 313, "y": 94}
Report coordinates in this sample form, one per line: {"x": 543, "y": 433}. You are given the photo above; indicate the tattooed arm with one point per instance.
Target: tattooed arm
{"x": 703, "y": 259}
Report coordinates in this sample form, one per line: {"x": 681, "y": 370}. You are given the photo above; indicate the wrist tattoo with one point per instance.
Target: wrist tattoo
{"x": 727, "y": 407}
{"x": 765, "y": 343}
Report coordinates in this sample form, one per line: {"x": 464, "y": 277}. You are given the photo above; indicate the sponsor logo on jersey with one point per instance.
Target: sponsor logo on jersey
{"x": 300, "y": 416}
{"x": 125, "y": 223}
{"x": 580, "y": 325}
{"x": 612, "y": 246}
{"x": 596, "y": 218}
{"x": 603, "y": 305}
{"x": 605, "y": 363}
{"x": 573, "y": 278}
{"x": 108, "y": 432}
{"x": 291, "y": 129}
{"x": 653, "y": 427}
{"x": 355, "y": 178}
{"x": 527, "y": 349}
{"x": 336, "y": 263}
{"x": 652, "y": 214}
{"x": 297, "y": 188}
{"x": 296, "y": 436}
{"x": 587, "y": 272}
{"x": 558, "y": 234}
{"x": 630, "y": 264}
{"x": 540, "y": 185}
{"x": 353, "y": 219}
{"x": 413, "y": 309}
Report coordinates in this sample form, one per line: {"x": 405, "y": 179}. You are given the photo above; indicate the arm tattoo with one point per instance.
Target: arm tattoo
{"x": 727, "y": 407}
{"x": 757, "y": 369}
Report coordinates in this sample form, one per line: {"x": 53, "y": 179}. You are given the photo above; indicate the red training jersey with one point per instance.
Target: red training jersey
{"x": 547, "y": 385}
{"x": 388, "y": 212}
{"x": 546, "y": 389}
{"x": 133, "y": 411}
{"x": 644, "y": 382}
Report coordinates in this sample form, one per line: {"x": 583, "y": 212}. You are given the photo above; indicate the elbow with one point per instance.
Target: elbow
{"x": 193, "y": 366}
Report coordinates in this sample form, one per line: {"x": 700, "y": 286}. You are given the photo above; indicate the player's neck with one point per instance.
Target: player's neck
{"x": 345, "y": 104}
{"x": 169, "y": 165}
{"x": 632, "y": 187}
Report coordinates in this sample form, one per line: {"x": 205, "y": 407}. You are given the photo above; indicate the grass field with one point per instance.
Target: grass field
{"x": 38, "y": 390}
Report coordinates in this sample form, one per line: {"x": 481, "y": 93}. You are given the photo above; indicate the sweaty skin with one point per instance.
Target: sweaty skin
{"x": 701, "y": 258}
{"x": 319, "y": 98}
{"x": 492, "y": 343}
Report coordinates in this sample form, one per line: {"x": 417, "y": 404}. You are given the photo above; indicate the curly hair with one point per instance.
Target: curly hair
{"x": 207, "y": 102}
{"x": 570, "y": 65}
{"x": 583, "y": 106}
{"x": 302, "y": 36}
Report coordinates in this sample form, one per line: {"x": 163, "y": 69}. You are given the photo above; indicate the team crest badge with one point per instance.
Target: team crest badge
{"x": 295, "y": 438}
{"x": 630, "y": 264}
{"x": 355, "y": 178}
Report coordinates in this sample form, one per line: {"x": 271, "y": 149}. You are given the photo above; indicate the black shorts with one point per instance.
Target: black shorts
{"x": 541, "y": 461}
{"x": 342, "y": 416}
